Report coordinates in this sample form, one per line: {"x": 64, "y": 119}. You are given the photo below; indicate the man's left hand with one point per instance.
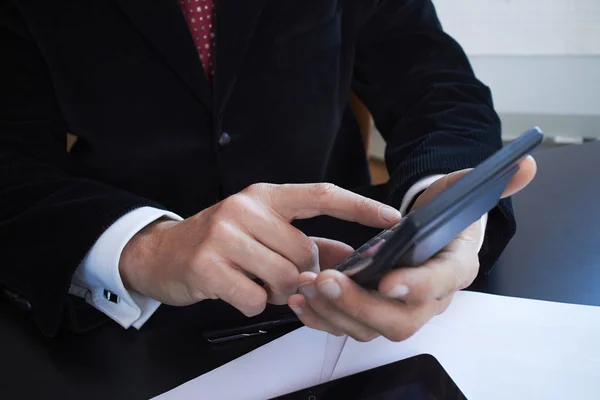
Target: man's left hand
{"x": 407, "y": 297}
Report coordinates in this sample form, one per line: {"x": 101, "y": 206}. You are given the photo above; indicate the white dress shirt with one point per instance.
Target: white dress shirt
{"x": 98, "y": 281}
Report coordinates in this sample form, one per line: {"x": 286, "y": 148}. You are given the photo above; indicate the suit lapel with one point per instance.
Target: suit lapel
{"x": 235, "y": 24}
{"x": 162, "y": 23}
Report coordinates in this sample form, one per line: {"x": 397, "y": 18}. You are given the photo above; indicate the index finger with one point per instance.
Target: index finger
{"x": 300, "y": 201}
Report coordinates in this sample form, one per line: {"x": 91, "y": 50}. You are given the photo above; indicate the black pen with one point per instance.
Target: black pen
{"x": 226, "y": 335}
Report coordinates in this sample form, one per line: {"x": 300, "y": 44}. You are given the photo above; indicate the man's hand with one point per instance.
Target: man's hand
{"x": 216, "y": 253}
{"x": 407, "y": 297}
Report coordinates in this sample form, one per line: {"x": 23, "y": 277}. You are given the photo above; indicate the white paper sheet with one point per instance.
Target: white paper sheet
{"x": 497, "y": 347}
{"x": 289, "y": 363}
{"x": 333, "y": 351}
{"x": 493, "y": 347}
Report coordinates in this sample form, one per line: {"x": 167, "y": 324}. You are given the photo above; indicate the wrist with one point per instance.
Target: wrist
{"x": 140, "y": 253}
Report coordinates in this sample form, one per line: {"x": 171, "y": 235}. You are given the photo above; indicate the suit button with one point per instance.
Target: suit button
{"x": 23, "y": 304}
{"x": 17, "y": 301}
{"x": 224, "y": 139}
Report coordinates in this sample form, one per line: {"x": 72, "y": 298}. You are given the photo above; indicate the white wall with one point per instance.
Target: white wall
{"x": 541, "y": 59}
{"x": 542, "y": 85}
{"x": 523, "y": 27}
{"x": 561, "y": 94}
{"x": 557, "y": 88}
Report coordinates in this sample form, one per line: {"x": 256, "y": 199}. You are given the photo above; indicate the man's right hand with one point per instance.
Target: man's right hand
{"x": 216, "y": 253}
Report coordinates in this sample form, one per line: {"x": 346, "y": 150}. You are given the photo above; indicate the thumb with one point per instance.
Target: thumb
{"x": 439, "y": 186}
{"x": 331, "y": 252}
{"x": 523, "y": 176}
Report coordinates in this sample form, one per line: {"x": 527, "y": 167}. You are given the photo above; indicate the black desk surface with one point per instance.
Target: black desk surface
{"x": 554, "y": 256}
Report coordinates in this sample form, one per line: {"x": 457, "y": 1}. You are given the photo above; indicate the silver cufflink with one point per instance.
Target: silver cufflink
{"x": 110, "y": 296}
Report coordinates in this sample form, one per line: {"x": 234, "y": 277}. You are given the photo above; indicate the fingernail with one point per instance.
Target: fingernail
{"x": 296, "y": 309}
{"x": 308, "y": 290}
{"x": 310, "y": 274}
{"x": 330, "y": 288}
{"x": 316, "y": 269}
{"x": 398, "y": 291}
{"x": 389, "y": 213}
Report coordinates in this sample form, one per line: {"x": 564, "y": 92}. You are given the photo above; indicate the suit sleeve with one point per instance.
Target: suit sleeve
{"x": 49, "y": 215}
{"x": 434, "y": 114}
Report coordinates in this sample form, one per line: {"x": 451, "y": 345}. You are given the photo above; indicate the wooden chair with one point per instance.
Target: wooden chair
{"x": 364, "y": 118}
{"x": 377, "y": 167}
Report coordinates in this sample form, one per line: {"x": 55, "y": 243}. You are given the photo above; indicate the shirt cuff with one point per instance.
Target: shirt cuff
{"x": 421, "y": 186}
{"x": 98, "y": 281}
{"x": 416, "y": 190}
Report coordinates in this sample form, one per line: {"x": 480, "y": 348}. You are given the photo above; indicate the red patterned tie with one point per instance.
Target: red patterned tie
{"x": 199, "y": 15}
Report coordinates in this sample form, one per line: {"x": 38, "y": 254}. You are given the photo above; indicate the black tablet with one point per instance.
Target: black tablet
{"x": 425, "y": 231}
{"x": 417, "y": 378}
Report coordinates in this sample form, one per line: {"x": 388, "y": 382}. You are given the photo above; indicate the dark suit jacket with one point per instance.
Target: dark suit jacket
{"x": 124, "y": 76}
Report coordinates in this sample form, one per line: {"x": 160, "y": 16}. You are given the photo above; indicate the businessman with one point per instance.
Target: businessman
{"x": 210, "y": 132}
